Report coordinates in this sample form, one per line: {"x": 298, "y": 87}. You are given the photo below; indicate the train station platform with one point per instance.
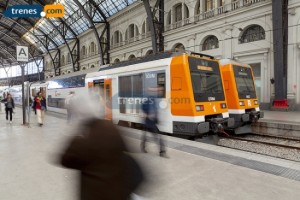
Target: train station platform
{"x": 193, "y": 171}
{"x": 279, "y": 123}
{"x": 292, "y": 117}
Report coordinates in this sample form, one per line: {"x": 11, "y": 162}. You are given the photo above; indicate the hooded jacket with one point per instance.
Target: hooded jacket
{"x": 98, "y": 153}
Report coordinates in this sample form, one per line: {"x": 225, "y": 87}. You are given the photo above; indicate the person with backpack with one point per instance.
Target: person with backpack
{"x": 9, "y": 106}
{"x": 151, "y": 120}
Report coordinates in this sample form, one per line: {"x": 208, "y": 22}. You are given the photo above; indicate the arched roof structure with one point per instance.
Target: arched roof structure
{"x": 45, "y": 35}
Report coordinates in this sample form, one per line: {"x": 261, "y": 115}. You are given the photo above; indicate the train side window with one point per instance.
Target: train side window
{"x": 161, "y": 83}
{"x": 176, "y": 83}
{"x": 137, "y": 85}
{"x": 125, "y": 86}
{"x": 122, "y": 105}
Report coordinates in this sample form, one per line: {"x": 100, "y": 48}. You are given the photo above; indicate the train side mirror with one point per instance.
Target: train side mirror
{"x": 272, "y": 80}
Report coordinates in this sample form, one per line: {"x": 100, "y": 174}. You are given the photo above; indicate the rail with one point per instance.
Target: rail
{"x": 276, "y": 146}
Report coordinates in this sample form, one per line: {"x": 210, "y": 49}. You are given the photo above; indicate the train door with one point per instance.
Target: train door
{"x": 97, "y": 90}
{"x": 108, "y": 99}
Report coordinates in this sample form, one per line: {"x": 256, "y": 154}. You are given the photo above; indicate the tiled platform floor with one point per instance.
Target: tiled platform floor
{"x": 194, "y": 171}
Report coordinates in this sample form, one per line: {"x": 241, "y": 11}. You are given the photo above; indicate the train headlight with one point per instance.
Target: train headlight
{"x": 200, "y": 108}
{"x": 223, "y": 105}
{"x": 242, "y": 103}
{"x": 255, "y": 102}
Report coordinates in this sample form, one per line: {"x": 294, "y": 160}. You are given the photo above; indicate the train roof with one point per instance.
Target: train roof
{"x": 233, "y": 62}
{"x": 39, "y": 83}
{"x": 152, "y": 57}
{"x": 82, "y": 72}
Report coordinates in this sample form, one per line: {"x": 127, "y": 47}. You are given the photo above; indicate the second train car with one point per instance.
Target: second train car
{"x": 242, "y": 101}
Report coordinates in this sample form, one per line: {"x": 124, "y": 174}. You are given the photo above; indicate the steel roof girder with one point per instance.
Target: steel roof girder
{"x": 94, "y": 29}
{"x": 98, "y": 9}
{"x": 14, "y": 31}
{"x": 75, "y": 69}
{"x": 41, "y": 32}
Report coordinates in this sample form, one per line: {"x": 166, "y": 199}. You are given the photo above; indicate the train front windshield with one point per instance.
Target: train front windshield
{"x": 206, "y": 80}
{"x": 244, "y": 82}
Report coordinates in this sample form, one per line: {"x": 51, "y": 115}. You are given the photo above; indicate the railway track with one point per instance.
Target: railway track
{"x": 276, "y": 146}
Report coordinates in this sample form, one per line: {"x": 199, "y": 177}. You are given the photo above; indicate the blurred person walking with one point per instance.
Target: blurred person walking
{"x": 68, "y": 102}
{"x": 97, "y": 151}
{"x": 39, "y": 104}
{"x": 9, "y": 106}
{"x": 149, "y": 107}
{"x": 33, "y": 104}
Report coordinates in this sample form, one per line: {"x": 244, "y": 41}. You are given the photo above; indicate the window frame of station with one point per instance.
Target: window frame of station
{"x": 141, "y": 85}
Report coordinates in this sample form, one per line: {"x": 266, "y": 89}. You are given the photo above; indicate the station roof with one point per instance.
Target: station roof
{"x": 42, "y": 35}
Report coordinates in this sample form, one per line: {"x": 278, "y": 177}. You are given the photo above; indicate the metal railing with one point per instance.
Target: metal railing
{"x": 217, "y": 11}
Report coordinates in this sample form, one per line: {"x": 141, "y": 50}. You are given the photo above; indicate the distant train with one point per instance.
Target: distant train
{"x": 241, "y": 95}
{"x": 197, "y": 93}
{"x": 55, "y": 89}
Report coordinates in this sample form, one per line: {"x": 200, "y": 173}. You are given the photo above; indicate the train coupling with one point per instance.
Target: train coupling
{"x": 220, "y": 128}
{"x": 217, "y": 125}
{"x": 245, "y": 117}
{"x": 254, "y": 116}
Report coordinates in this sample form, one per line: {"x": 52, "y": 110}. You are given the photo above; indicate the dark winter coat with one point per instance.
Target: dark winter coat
{"x": 6, "y": 100}
{"x": 99, "y": 154}
{"x": 149, "y": 107}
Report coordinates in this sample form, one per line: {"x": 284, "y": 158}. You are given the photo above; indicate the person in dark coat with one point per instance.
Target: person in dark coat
{"x": 150, "y": 110}
{"x": 9, "y": 106}
{"x": 98, "y": 153}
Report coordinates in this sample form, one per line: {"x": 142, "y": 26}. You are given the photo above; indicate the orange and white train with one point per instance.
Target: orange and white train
{"x": 191, "y": 100}
{"x": 195, "y": 93}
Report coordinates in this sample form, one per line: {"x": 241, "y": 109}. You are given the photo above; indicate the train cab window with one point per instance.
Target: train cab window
{"x": 244, "y": 82}
{"x": 206, "y": 80}
{"x": 206, "y": 83}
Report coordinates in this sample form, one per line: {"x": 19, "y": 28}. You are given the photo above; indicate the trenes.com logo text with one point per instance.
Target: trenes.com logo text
{"x": 28, "y": 11}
